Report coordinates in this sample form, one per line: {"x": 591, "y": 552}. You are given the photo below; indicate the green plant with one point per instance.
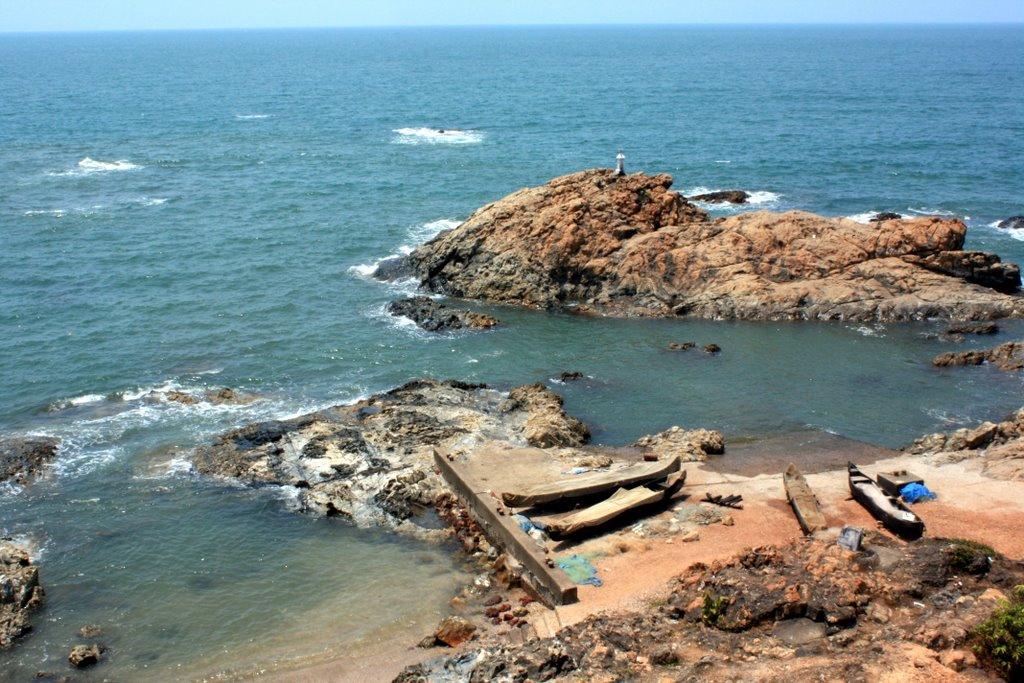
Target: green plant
{"x": 970, "y": 556}
{"x": 1000, "y": 638}
{"x": 713, "y": 608}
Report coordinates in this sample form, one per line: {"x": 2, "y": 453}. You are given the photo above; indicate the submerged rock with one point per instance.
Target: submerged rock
{"x": 1008, "y": 357}
{"x": 23, "y": 458}
{"x": 20, "y": 591}
{"x": 85, "y": 655}
{"x": 372, "y": 461}
{"x": 1012, "y": 223}
{"x": 595, "y": 242}
{"x": 434, "y": 316}
{"x": 987, "y": 327}
{"x": 722, "y": 197}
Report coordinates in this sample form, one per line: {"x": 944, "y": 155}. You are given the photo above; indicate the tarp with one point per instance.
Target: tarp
{"x": 579, "y": 570}
{"x": 916, "y": 493}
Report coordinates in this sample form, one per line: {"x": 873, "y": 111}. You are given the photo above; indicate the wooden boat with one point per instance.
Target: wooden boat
{"x": 620, "y": 502}
{"x": 581, "y": 485}
{"x": 889, "y": 510}
{"x": 802, "y": 498}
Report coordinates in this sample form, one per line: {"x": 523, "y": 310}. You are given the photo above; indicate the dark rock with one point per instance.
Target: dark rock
{"x": 722, "y": 197}
{"x": 85, "y": 655}
{"x": 987, "y": 327}
{"x": 570, "y": 376}
{"x": 23, "y": 458}
{"x": 433, "y": 316}
{"x": 681, "y": 346}
{"x": 1012, "y": 223}
{"x": 395, "y": 268}
{"x": 884, "y": 216}
{"x": 976, "y": 267}
{"x": 712, "y": 348}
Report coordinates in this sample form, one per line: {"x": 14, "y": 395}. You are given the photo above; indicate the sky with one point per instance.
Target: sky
{"x": 99, "y": 15}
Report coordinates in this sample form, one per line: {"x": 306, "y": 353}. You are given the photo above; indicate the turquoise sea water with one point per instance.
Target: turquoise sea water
{"x": 197, "y": 210}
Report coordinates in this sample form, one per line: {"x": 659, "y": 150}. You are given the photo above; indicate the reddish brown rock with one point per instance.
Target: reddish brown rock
{"x": 454, "y": 631}
{"x": 630, "y": 245}
{"x": 1008, "y": 357}
{"x": 1000, "y": 446}
{"x": 21, "y": 459}
{"x": 85, "y": 655}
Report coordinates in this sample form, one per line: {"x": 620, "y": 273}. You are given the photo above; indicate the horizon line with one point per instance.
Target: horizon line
{"x": 182, "y": 29}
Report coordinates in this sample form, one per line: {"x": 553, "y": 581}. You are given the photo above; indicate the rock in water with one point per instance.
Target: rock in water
{"x": 987, "y": 327}
{"x": 1008, "y": 357}
{"x": 85, "y": 655}
{"x": 21, "y": 459}
{"x": 372, "y": 461}
{"x": 1012, "y": 223}
{"x": 435, "y": 316}
{"x": 20, "y": 591}
{"x": 722, "y": 197}
{"x": 630, "y": 245}
{"x": 884, "y": 216}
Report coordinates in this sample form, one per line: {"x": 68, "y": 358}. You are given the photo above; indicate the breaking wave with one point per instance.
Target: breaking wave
{"x": 436, "y": 136}
{"x": 96, "y": 208}
{"x": 89, "y": 166}
{"x": 415, "y": 236}
{"x": 865, "y": 218}
{"x": 1015, "y": 233}
{"x": 754, "y": 198}
{"x": 252, "y": 117}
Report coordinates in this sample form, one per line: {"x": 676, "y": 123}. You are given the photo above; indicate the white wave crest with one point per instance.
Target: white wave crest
{"x": 416, "y": 235}
{"x": 865, "y": 218}
{"x": 56, "y": 213}
{"x": 83, "y": 400}
{"x": 252, "y": 117}
{"x": 762, "y": 197}
{"x": 924, "y": 211}
{"x": 754, "y": 198}
{"x": 1015, "y": 233}
{"x": 435, "y": 136}
{"x": 89, "y": 166}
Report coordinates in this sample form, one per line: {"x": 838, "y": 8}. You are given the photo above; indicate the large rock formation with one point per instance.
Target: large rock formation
{"x": 999, "y": 446}
{"x": 809, "y": 610}
{"x": 372, "y": 461}
{"x": 20, "y": 591}
{"x": 21, "y": 459}
{"x": 594, "y": 242}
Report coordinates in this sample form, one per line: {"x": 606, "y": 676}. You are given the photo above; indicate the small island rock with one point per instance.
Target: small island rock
{"x": 434, "y": 316}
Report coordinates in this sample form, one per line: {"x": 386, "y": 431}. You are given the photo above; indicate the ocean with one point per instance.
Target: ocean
{"x": 191, "y": 210}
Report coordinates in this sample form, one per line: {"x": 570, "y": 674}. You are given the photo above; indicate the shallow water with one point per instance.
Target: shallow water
{"x": 191, "y": 210}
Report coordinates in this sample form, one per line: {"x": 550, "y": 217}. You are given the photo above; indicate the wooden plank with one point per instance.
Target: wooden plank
{"x": 619, "y": 503}
{"x": 552, "y": 586}
{"x": 805, "y": 504}
{"x": 588, "y": 484}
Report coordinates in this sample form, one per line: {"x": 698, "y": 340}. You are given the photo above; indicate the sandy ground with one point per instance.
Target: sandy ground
{"x": 636, "y": 568}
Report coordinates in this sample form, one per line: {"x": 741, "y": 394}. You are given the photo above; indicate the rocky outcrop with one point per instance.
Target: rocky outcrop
{"x": 20, "y": 591}
{"x": 372, "y": 461}
{"x": 1012, "y": 223}
{"x": 691, "y": 445}
{"x": 805, "y": 611}
{"x": 999, "y": 446}
{"x": 434, "y": 316}
{"x": 594, "y": 242}
{"x": 82, "y": 656}
{"x": 722, "y": 197}
{"x": 221, "y": 396}
{"x": 21, "y": 459}
{"x": 1008, "y": 357}
{"x": 987, "y": 327}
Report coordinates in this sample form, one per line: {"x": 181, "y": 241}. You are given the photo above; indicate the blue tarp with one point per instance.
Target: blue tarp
{"x": 579, "y": 570}
{"x": 916, "y": 493}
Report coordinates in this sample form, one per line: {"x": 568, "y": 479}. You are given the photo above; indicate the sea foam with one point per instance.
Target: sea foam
{"x": 754, "y": 198}
{"x": 89, "y": 166}
{"x": 415, "y": 236}
{"x": 436, "y": 136}
{"x": 252, "y": 117}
